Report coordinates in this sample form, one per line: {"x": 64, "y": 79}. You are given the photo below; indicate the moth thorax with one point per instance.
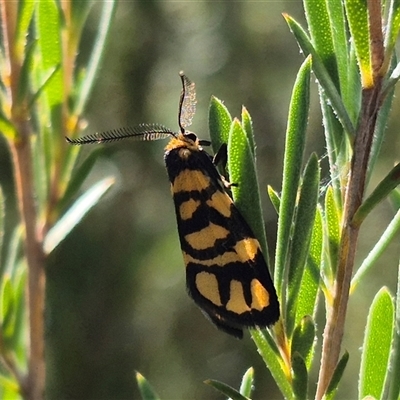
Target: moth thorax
{"x": 184, "y": 153}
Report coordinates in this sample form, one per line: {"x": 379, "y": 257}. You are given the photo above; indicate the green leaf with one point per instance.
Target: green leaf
{"x": 219, "y": 123}
{"x": 302, "y": 232}
{"x": 320, "y": 28}
{"x": 392, "y": 27}
{"x": 274, "y": 197}
{"x": 337, "y": 376}
{"x": 380, "y": 129}
{"x": 270, "y": 354}
{"x": 2, "y": 215}
{"x": 49, "y": 95}
{"x": 300, "y": 377}
{"x": 247, "y": 126}
{"x": 97, "y": 53}
{"x": 226, "y": 389}
{"x": 332, "y": 223}
{"x": 293, "y": 159}
{"x": 385, "y": 239}
{"x": 357, "y": 17}
{"x": 307, "y": 301}
{"x": 44, "y": 83}
{"x": 11, "y": 389}
{"x": 303, "y": 339}
{"x": 242, "y": 172}
{"x": 26, "y": 70}
{"x": 390, "y": 83}
{"x": 17, "y": 341}
{"x": 7, "y": 309}
{"x": 79, "y": 12}
{"x": 338, "y": 30}
{"x": 376, "y": 346}
{"x": 25, "y": 13}
{"x": 13, "y": 249}
{"x": 391, "y": 180}
{"x": 392, "y": 379}
{"x": 322, "y": 75}
{"x": 49, "y": 29}
{"x": 75, "y": 214}
{"x": 338, "y": 148}
{"x": 246, "y": 387}
{"x": 395, "y": 198}
{"x": 7, "y": 128}
{"x": 146, "y": 391}
{"x": 79, "y": 176}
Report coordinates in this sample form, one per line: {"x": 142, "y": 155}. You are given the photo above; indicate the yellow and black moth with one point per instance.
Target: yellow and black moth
{"x": 226, "y": 273}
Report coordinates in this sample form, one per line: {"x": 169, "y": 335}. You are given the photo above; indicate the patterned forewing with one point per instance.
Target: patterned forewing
{"x": 227, "y": 275}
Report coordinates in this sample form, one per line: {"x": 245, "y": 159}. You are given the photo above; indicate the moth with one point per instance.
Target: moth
{"x": 226, "y": 273}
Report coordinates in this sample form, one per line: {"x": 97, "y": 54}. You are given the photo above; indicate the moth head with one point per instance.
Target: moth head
{"x": 190, "y": 138}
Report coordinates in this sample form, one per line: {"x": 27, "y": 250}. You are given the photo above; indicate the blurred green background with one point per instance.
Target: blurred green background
{"x": 116, "y": 287}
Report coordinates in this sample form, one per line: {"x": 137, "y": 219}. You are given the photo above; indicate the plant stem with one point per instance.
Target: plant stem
{"x": 32, "y": 387}
{"x": 333, "y": 334}
{"x": 371, "y": 102}
{"x": 36, "y": 260}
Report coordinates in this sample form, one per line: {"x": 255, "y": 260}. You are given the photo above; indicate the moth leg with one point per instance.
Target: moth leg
{"x": 221, "y": 159}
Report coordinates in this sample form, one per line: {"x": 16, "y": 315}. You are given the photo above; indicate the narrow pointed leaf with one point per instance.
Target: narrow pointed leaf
{"x": 146, "y": 391}
{"x": 7, "y": 310}
{"x": 7, "y": 128}
{"x": 307, "y": 302}
{"x": 17, "y": 340}
{"x": 340, "y": 41}
{"x": 225, "y": 389}
{"x": 247, "y": 126}
{"x": 75, "y": 214}
{"x": 338, "y": 147}
{"x": 393, "y": 381}
{"x": 300, "y": 377}
{"x": 332, "y": 223}
{"x": 219, "y": 123}
{"x": 242, "y": 172}
{"x": 270, "y": 354}
{"x": 13, "y": 248}
{"x": 376, "y": 346}
{"x": 302, "y": 232}
{"x": 49, "y": 26}
{"x": 25, "y": 13}
{"x": 380, "y": 130}
{"x": 357, "y": 17}
{"x": 322, "y": 75}
{"x": 393, "y": 27}
{"x": 26, "y": 70}
{"x": 107, "y": 14}
{"x": 246, "y": 387}
{"x": 293, "y": 160}
{"x": 393, "y": 79}
{"x": 2, "y": 215}
{"x": 337, "y": 376}
{"x": 391, "y": 180}
{"x": 10, "y": 387}
{"x": 318, "y": 22}
{"x": 304, "y": 339}
{"x": 79, "y": 176}
{"x": 274, "y": 197}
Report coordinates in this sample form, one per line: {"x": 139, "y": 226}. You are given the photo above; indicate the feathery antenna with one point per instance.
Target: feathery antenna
{"x": 140, "y": 132}
{"x": 187, "y": 103}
